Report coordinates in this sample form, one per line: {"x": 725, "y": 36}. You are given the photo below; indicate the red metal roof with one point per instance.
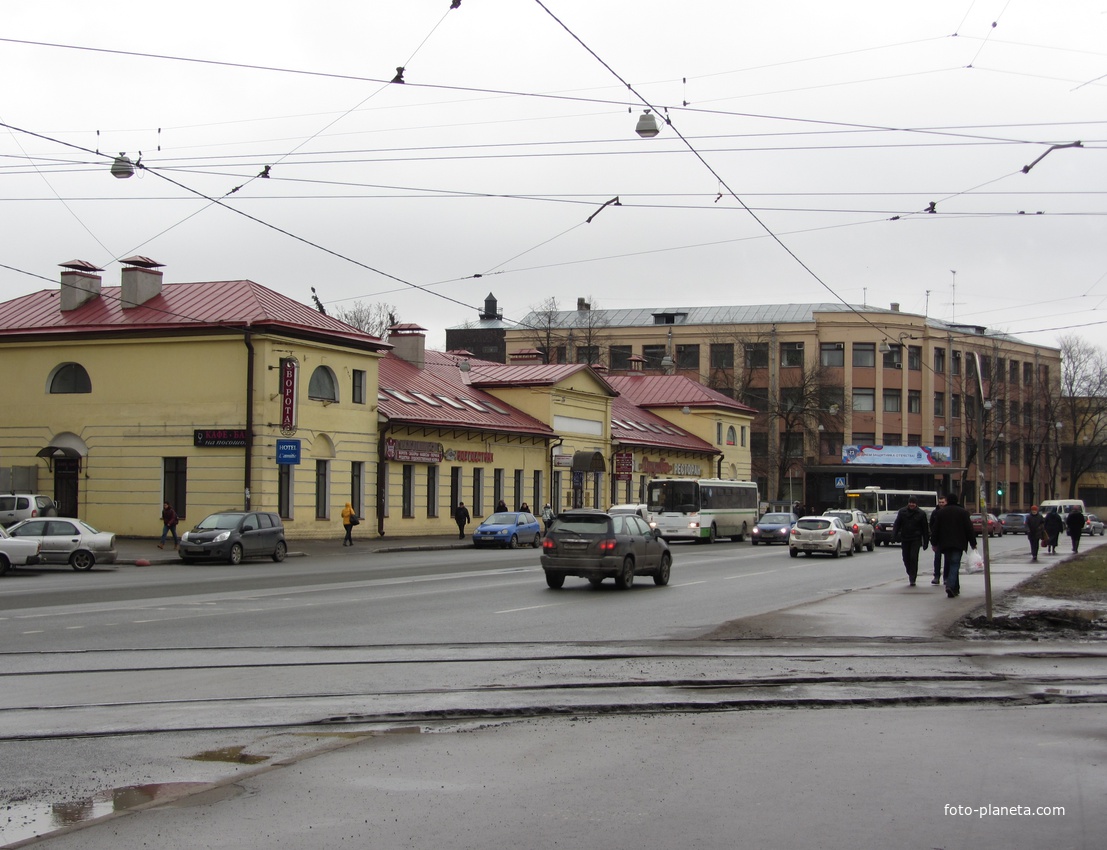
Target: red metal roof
{"x": 636, "y": 426}
{"x": 180, "y": 306}
{"x": 483, "y": 373}
{"x": 672, "y": 391}
{"x": 439, "y": 396}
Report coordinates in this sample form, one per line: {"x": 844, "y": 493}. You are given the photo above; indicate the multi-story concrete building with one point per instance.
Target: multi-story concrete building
{"x": 846, "y": 396}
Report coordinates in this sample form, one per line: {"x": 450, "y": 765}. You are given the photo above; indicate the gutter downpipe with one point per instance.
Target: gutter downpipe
{"x": 550, "y": 466}
{"x": 248, "y": 460}
{"x": 381, "y": 495}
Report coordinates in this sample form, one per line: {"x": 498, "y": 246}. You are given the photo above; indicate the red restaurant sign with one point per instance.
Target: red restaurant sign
{"x": 289, "y": 369}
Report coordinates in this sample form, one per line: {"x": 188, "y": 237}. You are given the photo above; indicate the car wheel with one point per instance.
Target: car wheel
{"x": 870, "y": 545}
{"x": 82, "y": 560}
{"x": 280, "y": 552}
{"x": 187, "y": 561}
{"x": 661, "y": 577}
{"x": 537, "y": 540}
{"x": 856, "y": 545}
{"x": 554, "y": 580}
{"x": 235, "y": 557}
{"x": 753, "y": 542}
{"x": 625, "y": 578}
{"x": 793, "y": 553}
{"x": 513, "y": 543}
{"x": 837, "y": 549}
{"x": 850, "y": 551}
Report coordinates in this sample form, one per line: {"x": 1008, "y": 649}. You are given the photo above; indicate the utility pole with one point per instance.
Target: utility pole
{"x": 981, "y": 494}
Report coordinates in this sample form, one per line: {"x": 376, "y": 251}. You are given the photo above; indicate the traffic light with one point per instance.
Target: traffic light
{"x": 999, "y": 489}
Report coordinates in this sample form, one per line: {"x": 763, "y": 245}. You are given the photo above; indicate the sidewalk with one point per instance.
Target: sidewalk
{"x": 133, "y": 550}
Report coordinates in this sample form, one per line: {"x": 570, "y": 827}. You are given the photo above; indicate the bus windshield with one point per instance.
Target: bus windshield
{"x": 673, "y": 496}
{"x": 877, "y": 502}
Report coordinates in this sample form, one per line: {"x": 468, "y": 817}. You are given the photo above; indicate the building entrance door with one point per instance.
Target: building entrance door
{"x": 66, "y": 484}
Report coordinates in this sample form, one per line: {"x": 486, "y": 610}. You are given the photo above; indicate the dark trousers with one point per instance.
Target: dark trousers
{"x": 1076, "y": 541}
{"x": 911, "y": 557}
{"x": 938, "y": 565}
{"x": 460, "y": 529}
{"x": 349, "y": 529}
{"x": 1035, "y": 542}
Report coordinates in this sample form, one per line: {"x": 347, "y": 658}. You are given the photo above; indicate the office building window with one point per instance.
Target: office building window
{"x": 940, "y": 404}
{"x": 832, "y": 354}
{"x": 688, "y": 357}
{"x": 914, "y": 358}
{"x": 619, "y": 357}
{"x": 722, "y": 355}
{"x": 956, "y": 364}
{"x": 864, "y": 354}
{"x": 322, "y": 489}
{"x": 893, "y": 401}
{"x": 940, "y": 361}
{"x": 914, "y": 401}
{"x": 432, "y": 491}
{"x": 955, "y": 406}
{"x": 757, "y": 355}
{"x": 864, "y": 399}
{"x": 791, "y": 354}
{"x": 653, "y": 355}
{"x": 407, "y": 497}
{"x": 893, "y": 357}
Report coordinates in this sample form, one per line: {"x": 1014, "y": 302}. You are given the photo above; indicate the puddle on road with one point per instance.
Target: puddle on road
{"x": 19, "y": 821}
{"x": 233, "y": 755}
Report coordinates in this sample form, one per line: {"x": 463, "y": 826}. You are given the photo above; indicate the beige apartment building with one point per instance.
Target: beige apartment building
{"x": 846, "y": 396}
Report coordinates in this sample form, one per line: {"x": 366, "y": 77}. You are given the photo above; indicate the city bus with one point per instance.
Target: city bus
{"x": 702, "y": 509}
{"x": 881, "y": 506}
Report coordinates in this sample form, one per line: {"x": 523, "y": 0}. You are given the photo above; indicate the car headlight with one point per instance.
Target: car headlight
{"x": 222, "y": 537}
{"x": 502, "y": 531}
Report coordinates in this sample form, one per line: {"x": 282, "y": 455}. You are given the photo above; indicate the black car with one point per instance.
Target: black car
{"x": 233, "y": 535}
{"x": 595, "y": 545}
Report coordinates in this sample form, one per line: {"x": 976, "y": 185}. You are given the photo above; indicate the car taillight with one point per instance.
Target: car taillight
{"x": 548, "y": 545}
{"x": 828, "y": 533}
{"x": 609, "y": 545}
{"x": 856, "y": 528}
{"x": 795, "y": 531}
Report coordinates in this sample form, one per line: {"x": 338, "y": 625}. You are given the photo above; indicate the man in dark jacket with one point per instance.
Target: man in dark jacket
{"x": 912, "y": 530}
{"x": 1035, "y": 529}
{"x": 953, "y": 534}
{"x": 1075, "y": 524}
{"x": 461, "y": 517}
{"x": 937, "y": 555}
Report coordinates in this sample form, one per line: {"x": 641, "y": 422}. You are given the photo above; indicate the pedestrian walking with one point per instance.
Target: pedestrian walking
{"x": 547, "y": 516}
{"x": 1074, "y": 522}
{"x": 524, "y": 507}
{"x": 1035, "y": 531}
{"x": 1054, "y": 525}
{"x": 461, "y": 517}
{"x": 912, "y": 530}
{"x": 501, "y": 506}
{"x": 937, "y": 554}
{"x": 953, "y": 536}
{"x": 169, "y": 520}
{"x": 349, "y": 520}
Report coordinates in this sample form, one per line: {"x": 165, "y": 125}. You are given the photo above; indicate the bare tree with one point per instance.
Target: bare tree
{"x": 804, "y": 400}
{"x": 587, "y": 332}
{"x": 545, "y": 332}
{"x": 374, "y": 319}
{"x": 1081, "y": 407}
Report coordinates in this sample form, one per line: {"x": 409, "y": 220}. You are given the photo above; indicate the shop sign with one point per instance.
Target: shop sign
{"x": 288, "y": 452}
{"x": 562, "y": 460}
{"x": 219, "y": 438}
{"x": 624, "y": 465}
{"x": 469, "y": 457}
{"x": 289, "y": 369}
{"x": 414, "y": 451}
{"x": 663, "y": 467}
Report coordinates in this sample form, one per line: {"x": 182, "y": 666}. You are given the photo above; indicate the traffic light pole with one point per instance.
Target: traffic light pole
{"x": 981, "y": 493}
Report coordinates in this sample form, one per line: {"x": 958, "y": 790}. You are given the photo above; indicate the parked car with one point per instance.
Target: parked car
{"x": 995, "y": 527}
{"x": 824, "y": 534}
{"x": 1014, "y": 523}
{"x": 638, "y": 510}
{"x": 596, "y": 545}
{"x": 864, "y": 534}
{"x": 16, "y": 552}
{"x": 509, "y": 530}
{"x": 773, "y": 528}
{"x": 1093, "y": 525}
{"x": 66, "y": 540}
{"x": 233, "y": 535}
{"x": 16, "y": 507}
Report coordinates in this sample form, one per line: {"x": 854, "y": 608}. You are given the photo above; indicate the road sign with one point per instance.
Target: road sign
{"x": 840, "y": 482}
{"x": 288, "y": 451}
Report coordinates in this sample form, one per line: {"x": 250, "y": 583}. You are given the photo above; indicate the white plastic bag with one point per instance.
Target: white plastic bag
{"x": 976, "y": 562}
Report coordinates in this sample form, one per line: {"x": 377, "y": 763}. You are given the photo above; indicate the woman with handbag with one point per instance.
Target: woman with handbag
{"x": 349, "y": 520}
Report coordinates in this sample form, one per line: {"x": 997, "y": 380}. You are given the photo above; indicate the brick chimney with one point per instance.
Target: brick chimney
{"x": 409, "y": 342}
{"x": 141, "y": 281}
{"x": 80, "y": 283}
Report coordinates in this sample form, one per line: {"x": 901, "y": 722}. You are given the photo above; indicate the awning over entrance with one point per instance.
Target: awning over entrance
{"x": 588, "y": 462}
{"x": 53, "y": 453}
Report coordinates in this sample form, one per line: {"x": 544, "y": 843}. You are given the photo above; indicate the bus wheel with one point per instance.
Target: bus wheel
{"x": 712, "y": 534}
{"x": 738, "y": 538}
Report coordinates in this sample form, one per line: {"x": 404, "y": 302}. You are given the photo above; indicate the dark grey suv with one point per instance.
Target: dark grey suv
{"x": 595, "y": 545}
{"x": 233, "y": 535}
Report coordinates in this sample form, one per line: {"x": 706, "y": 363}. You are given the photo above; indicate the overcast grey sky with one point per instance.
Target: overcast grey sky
{"x": 807, "y": 142}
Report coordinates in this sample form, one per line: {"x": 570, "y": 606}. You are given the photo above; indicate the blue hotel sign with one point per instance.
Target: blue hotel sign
{"x": 288, "y": 451}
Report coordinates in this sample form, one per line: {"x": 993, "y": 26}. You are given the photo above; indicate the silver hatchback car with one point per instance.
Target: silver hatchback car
{"x": 824, "y": 534}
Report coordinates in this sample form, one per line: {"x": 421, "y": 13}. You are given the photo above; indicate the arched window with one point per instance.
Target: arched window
{"x": 731, "y": 436}
{"x": 323, "y": 386}
{"x": 70, "y": 378}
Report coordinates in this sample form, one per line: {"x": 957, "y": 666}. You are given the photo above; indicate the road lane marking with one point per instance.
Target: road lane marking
{"x": 529, "y": 608}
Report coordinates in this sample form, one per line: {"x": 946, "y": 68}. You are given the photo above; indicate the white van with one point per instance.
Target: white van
{"x": 638, "y": 510}
{"x": 1063, "y": 506}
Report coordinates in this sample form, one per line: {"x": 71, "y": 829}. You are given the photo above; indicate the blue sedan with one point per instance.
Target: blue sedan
{"x": 509, "y": 529}
{"x": 773, "y": 528}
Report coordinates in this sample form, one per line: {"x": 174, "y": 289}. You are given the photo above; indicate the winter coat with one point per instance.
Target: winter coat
{"x": 1054, "y": 525}
{"x": 911, "y": 524}
{"x": 1075, "y": 522}
{"x": 169, "y": 517}
{"x": 953, "y": 529}
{"x": 1035, "y": 523}
{"x": 461, "y": 515}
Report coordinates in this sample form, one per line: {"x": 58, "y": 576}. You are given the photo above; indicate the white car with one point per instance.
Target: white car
{"x": 824, "y": 534}
{"x": 65, "y": 540}
{"x": 638, "y": 510}
{"x": 864, "y": 534}
{"x": 16, "y": 553}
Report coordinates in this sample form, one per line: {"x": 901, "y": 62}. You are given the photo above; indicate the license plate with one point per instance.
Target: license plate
{"x": 190, "y": 551}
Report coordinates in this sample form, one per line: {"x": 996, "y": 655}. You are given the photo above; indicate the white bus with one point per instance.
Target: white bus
{"x": 881, "y": 506}
{"x": 702, "y": 509}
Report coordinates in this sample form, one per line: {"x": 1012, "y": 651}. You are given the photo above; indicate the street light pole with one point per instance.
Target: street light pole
{"x": 981, "y": 495}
